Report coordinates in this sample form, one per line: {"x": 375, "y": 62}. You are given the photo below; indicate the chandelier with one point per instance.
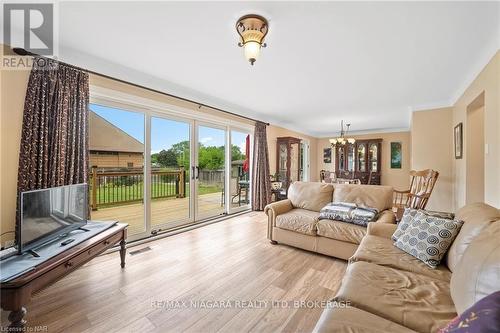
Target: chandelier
{"x": 342, "y": 139}
{"x": 252, "y": 30}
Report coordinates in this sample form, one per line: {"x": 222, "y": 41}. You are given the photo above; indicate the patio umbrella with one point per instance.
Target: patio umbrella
{"x": 246, "y": 165}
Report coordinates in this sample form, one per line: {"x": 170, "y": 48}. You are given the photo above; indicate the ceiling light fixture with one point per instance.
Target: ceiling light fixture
{"x": 342, "y": 139}
{"x": 252, "y": 30}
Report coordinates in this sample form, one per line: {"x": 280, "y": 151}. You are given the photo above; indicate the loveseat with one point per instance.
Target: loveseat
{"x": 296, "y": 220}
{"x": 388, "y": 290}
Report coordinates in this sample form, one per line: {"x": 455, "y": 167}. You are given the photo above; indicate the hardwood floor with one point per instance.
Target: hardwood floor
{"x": 226, "y": 261}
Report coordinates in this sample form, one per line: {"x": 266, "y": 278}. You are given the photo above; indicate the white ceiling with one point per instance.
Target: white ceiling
{"x": 365, "y": 62}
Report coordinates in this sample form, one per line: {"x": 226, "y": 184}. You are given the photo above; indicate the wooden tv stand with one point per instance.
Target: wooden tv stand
{"x": 16, "y": 293}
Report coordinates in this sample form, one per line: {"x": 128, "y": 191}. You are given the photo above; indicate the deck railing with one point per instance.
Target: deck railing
{"x": 116, "y": 188}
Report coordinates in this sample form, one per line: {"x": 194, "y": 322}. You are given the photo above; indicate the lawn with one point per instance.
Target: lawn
{"x": 112, "y": 194}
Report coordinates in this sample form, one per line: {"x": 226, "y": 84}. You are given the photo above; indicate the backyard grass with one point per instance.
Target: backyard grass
{"x": 114, "y": 195}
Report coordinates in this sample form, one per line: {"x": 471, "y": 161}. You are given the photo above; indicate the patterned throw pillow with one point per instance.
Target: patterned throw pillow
{"x": 410, "y": 213}
{"x": 348, "y": 212}
{"x": 428, "y": 238}
{"x": 408, "y": 216}
{"x": 483, "y": 316}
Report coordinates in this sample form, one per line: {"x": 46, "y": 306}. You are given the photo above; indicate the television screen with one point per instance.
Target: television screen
{"x": 49, "y": 213}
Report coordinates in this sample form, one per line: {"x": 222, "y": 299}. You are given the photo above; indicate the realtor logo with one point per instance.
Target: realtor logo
{"x": 30, "y": 26}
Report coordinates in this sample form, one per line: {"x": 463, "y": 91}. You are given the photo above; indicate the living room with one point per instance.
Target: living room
{"x": 251, "y": 166}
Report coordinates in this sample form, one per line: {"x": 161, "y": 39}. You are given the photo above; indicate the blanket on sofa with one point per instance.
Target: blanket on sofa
{"x": 348, "y": 212}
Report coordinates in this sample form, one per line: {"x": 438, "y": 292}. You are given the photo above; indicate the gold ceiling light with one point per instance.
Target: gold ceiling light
{"x": 252, "y": 30}
{"x": 343, "y": 138}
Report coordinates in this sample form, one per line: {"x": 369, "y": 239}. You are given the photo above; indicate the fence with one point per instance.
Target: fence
{"x": 115, "y": 188}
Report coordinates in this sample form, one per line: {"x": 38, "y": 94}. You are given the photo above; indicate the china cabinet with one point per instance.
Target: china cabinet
{"x": 288, "y": 157}
{"x": 360, "y": 160}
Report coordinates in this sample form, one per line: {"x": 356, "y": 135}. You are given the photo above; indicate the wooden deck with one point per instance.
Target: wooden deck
{"x": 229, "y": 260}
{"x": 170, "y": 211}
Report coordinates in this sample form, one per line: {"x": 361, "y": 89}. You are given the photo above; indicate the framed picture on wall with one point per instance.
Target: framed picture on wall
{"x": 458, "y": 138}
{"x": 327, "y": 155}
{"x": 396, "y": 155}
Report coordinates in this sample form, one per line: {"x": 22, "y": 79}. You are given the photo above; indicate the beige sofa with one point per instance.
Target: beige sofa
{"x": 388, "y": 290}
{"x": 295, "y": 221}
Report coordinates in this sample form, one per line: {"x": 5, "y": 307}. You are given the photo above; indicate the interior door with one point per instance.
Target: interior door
{"x": 209, "y": 171}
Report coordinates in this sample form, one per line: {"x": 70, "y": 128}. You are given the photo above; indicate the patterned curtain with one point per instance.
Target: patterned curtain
{"x": 261, "y": 183}
{"x": 54, "y": 140}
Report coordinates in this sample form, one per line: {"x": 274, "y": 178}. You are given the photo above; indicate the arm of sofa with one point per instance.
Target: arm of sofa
{"x": 384, "y": 230}
{"x": 273, "y": 210}
{"x": 387, "y": 216}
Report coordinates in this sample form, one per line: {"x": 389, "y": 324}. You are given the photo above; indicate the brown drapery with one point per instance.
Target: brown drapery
{"x": 261, "y": 183}
{"x": 54, "y": 139}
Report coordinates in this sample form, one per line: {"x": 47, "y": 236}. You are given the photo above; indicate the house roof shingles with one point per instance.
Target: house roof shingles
{"x": 104, "y": 136}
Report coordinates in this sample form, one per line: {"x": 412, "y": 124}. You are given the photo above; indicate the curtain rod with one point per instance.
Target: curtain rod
{"x": 23, "y": 52}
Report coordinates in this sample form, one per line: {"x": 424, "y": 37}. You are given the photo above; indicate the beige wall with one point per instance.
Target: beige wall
{"x": 432, "y": 148}
{"x": 474, "y": 145}
{"x": 12, "y": 92}
{"x": 488, "y": 82}
{"x": 398, "y": 178}
{"x": 274, "y": 132}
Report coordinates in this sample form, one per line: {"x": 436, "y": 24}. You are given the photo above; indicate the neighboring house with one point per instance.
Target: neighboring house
{"x": 110, "y": 147}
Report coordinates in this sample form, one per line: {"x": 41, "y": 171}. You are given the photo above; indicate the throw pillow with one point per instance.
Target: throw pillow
{"x": 408, "y": 216}
{"x": 428, "y": 238}
{"x": 410, "y": 213}
{"x": 483, "y": 316}
{"x": 348, "y": 212}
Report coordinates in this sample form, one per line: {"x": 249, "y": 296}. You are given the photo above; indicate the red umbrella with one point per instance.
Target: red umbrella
{"x": 246, "y": 164}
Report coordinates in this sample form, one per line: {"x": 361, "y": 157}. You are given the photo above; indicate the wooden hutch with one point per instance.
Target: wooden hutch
{"x": 360, "y": 160}
{"x": 288, "y": 160}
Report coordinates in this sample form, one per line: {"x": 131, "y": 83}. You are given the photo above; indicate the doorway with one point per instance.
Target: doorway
{"x": 474, "y": 156}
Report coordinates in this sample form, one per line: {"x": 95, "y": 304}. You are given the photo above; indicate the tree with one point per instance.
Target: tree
{"x": 167, "y": 158}
{"x": 236, "y": 153}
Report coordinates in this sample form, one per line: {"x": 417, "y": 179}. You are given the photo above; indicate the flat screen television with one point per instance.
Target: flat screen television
{"x": 50, "y": 213}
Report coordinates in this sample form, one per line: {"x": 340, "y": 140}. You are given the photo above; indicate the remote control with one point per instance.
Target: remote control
{"x": 67, "y": 241}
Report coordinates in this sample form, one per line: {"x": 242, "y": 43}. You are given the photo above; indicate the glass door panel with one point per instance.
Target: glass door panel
{"x": 170, "y": 174}
{"x": 239, "y": 181}
{"x": 116, "y": 140}
{"x": 210, "y": 172}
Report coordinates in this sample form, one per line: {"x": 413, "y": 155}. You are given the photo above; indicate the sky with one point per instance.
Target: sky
{"x": 164, "y": 132}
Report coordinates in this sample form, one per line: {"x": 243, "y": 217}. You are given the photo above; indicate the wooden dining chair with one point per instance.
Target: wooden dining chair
{"x": 421, "y": 186}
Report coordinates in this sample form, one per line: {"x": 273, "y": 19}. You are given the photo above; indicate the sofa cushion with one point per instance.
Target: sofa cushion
{"x": 412, "y": 300}
{"x": 374, "y": 196}
{"x": 476, "y": 217}
{"x": 310, "y": 195}
{"x": 478, "y": 272}
{"x": 428, "y": 238}
{"x": 381, "y": 251}
{"x": 298, "y": 220}
{"x": 351, "y": 319}
{"x": 339, "y": 230}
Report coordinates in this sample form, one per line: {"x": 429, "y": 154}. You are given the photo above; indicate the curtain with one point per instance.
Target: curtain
{"x": 261, "y": 183}
{"x": 54, "y": 140}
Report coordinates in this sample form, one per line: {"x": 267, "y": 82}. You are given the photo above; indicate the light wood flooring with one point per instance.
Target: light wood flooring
{"x": 229, "y": 260}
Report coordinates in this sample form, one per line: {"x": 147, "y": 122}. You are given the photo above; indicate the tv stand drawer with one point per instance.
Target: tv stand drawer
{"x": 77, "y": 261}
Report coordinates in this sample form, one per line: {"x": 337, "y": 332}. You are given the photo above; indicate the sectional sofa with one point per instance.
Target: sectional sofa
{"x": 385, "y": 289}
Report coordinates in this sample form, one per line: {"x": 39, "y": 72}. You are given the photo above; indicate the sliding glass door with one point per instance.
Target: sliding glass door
{"x": 170, "y": 176}
{"x": 239, "y": 177}
{"x": 116, "y": 182}
{"x": 210, "y": 171}
{"x": 157, "y": 171}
